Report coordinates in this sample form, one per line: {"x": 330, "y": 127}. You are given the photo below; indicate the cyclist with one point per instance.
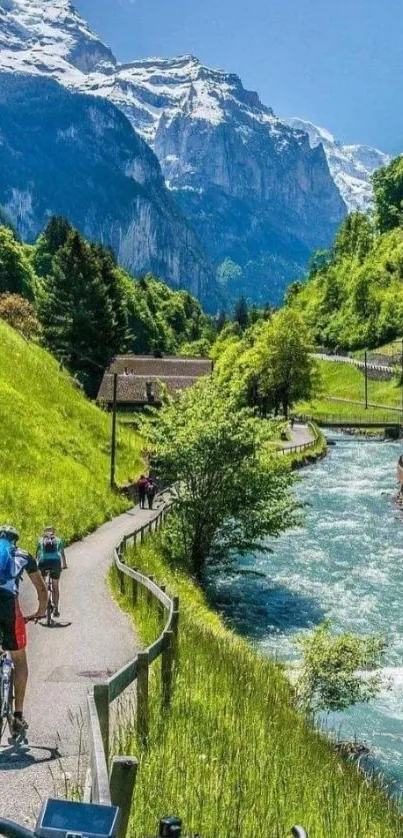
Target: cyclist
{"x": 51, "y": 559}
{"x": 12, "y": 623}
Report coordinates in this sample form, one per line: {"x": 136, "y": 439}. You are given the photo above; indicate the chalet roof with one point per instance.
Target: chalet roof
{"x": 142, "y": 379}
{"x": 167, "y": 366}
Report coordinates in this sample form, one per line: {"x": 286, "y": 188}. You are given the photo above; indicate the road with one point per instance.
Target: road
{"x": 64, "y": 662}
{"x": 343, "y": 359}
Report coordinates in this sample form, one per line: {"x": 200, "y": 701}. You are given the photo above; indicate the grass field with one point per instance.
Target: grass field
{"x": 233, "y": 758}
{"x": 54, "y": 447}
{"x": 343, "y": 381}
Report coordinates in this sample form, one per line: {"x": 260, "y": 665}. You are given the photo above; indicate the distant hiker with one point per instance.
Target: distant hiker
{"x": 142, "y": 490}
{"x": 51, "y": 559}
{"x": 13, "y": 563}
{"x": 151, "y": 491}
{"x": 292, "y": 421}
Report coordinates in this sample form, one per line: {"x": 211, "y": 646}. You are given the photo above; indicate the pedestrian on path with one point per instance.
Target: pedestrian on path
{"x": 142, "y": 490}
{"x": 151, "y": 491}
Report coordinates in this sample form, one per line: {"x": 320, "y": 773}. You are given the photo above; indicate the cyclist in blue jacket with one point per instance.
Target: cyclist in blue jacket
{"x": 12, "y": 622}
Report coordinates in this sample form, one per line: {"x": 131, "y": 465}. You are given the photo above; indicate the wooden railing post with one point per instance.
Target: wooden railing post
{"x": 166, "y": 668}
{"x": 143, "y": 664}
{"x": 101, "y": 697}
{"x": 122, "y": 782}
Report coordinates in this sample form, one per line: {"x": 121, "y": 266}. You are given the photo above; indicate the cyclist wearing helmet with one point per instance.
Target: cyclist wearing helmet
{"x": 12, "y": 623}
{"x": 51, "y": 559}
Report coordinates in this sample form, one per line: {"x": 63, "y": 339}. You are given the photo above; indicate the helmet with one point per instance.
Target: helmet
{"x": 9, "y": 532}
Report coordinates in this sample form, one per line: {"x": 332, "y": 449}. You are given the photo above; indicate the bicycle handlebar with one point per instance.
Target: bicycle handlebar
{"x": 10, "y": 829}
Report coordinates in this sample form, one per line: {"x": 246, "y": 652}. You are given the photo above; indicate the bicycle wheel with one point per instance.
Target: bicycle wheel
{"x": 6, "y": 696}
{"x": 49, "y": 612}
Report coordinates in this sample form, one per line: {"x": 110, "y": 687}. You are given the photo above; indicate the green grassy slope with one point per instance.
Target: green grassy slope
{"x": 54, "y": 447}
{"x": 343, "y": 381}
{"x": 233, "y": 757}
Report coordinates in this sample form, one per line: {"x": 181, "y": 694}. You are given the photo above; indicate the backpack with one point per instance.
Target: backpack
{"x": 7, "y": 565}
{"x": 49, "y": 544}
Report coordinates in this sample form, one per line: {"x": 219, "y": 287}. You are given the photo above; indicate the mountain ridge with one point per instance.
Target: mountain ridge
{"x": 258, "y": 194}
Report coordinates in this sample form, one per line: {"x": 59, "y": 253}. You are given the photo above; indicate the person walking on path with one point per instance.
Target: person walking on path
{"x": 151, "y": 490}
{"x": 51, "y": 559}
{"x": 13, "y": 563}
{"x": 142, "y": 490}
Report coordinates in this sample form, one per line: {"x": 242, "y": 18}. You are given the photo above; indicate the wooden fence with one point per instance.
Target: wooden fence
{"x": 117, "y": 786}
{"x": 305, "y": 446}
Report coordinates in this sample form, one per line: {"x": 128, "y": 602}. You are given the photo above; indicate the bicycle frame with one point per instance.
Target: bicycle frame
{"x": 6, "y": 692}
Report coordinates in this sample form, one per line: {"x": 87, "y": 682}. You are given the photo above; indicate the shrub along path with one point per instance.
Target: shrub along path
{"x": 65, "y": 661}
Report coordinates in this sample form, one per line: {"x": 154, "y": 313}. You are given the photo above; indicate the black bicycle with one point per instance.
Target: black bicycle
{"x": 6, "y": 694}
{"x": 50, "y": 607}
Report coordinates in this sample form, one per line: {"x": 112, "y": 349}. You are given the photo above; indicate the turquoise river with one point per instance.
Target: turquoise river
{"x": 345, "y": 564}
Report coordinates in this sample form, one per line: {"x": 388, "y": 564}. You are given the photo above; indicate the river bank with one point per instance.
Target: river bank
{"x": 346, "y": 565}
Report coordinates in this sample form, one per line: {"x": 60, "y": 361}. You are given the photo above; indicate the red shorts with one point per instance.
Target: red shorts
{"x": 12, "y": 625}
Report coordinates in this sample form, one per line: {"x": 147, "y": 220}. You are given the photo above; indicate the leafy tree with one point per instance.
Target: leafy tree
{"x": 16, "y": 275}
{"x": 336, "y": 669}
{"x": 241, "y": 313}
{"x": 288, "y": 373}
{"x": 355, "y": 237}
{"x": 319, "y": 260}
{"x": 20, "y": 314}
{"x": 388, "y": 192}
{"x": 77, "y": 311}
{"x": 229, "y": 493}
{"x": 229, "y": 276}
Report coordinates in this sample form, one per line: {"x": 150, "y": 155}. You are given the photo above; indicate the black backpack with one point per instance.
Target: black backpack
{"x": 49, "y": 544}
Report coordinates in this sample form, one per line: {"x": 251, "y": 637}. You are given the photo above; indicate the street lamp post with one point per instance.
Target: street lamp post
{"x": 366, "y": 380}
{"x": 114, "y": 423}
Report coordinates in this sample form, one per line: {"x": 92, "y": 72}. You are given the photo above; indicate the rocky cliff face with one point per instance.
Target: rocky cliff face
{"x": 256, "y": 190}
{"x": 259, "y": 195}
{"x": 67, "y": 154}
{"x": 351, "y": 166}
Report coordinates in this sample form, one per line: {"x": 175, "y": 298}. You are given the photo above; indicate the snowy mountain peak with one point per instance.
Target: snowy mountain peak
{"x": 351, "y": 166}
{"x": 49, "y": 37}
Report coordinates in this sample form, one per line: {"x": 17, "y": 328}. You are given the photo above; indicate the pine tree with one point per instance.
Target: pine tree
{"x": 77, "y": 312}
{"x": 241, "y": 314}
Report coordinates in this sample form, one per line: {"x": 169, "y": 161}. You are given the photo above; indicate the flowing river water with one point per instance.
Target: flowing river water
{"x": 346, "y": 564}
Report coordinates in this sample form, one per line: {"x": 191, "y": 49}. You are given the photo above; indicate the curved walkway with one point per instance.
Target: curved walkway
{"x": 96, "y": 640}
{"x": 300, "y": 435}
{"x": 64, "y": 662}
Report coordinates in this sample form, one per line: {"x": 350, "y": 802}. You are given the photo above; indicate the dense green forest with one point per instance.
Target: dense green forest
{"x": 72, "y": 296}
{"x": 354, "y": 294}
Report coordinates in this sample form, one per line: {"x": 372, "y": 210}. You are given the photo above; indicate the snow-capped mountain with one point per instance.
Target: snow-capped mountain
{"x": 260, "y": 197}
{"x": 63, "y": 153}
{"x": 351, "y": 166}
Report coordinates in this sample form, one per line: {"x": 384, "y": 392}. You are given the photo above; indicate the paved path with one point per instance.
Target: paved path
{"x": 97, "y": 639}
{"x": 64, "y": 662}
{"x": 300, "y": 435}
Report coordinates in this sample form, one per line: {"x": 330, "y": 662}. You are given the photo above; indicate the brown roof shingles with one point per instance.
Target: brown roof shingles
{"x": 151, "y": 375}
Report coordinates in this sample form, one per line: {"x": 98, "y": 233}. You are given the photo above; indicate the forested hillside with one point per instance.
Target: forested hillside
{"x": 354, "y": 294}
{"x": 85, "y": 308}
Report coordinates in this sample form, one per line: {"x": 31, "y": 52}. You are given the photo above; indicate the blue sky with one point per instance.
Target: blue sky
{"x": 339, "y": 64}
